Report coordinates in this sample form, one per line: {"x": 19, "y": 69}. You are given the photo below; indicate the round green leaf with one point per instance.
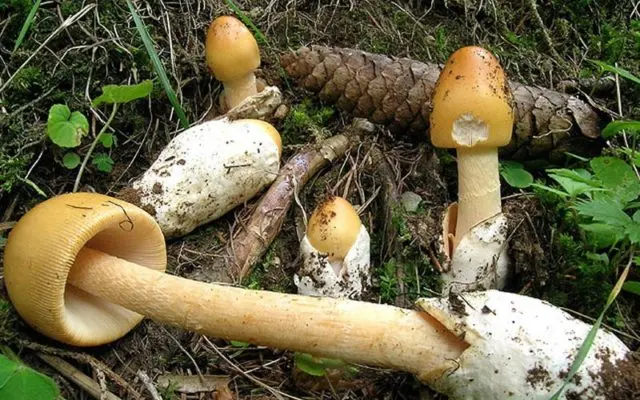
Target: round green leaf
{"x": 19, "y": 382}
{"x": 66, "y": 128}
{"x": 515, "y": 174}
{"x": 71, "y": 160}
{"x": 107, "y": 140}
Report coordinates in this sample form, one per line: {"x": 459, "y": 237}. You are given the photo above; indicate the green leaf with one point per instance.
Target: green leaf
{"x": 307, "y": 363}
{"x": 633, "y": 231}
{"x": 620, "y": 71}
{"x": 605, "y": 211}
{"x": 515, "y": 174}
{"x": 103, "y": 162}
{"x": 236, "y": 343}
{"x": 632, "y": 287}
{"x": 66, "y": 128}
{"x": 615, "y": 127}
{"x": 317, "y": 366}
{"x": 618, "y": 176}
{"x": 603, "y": 235}
{"x": 107, "y": 140}
{"x": 574, "y": 181}
{"x": 121, "y": 94}
{"x": 71, "y": 160}
{"x": 19, "y": 382}
{"x": 550, "y": 189}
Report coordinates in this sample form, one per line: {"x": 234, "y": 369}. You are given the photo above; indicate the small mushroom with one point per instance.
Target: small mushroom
{"x": 233, "y": 55}
{"x": 206, "y": 171}
{"x": 473, "y": 113}
{"x": 335, "y": 252}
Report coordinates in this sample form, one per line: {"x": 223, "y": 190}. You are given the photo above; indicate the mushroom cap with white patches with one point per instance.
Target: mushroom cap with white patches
{"x": 207, "y": 170}
{"x": 472, "y": 102}
{"x": 318, "y": 276}
{"x": 520, "y": 348}
{"x": 480, "y": 261}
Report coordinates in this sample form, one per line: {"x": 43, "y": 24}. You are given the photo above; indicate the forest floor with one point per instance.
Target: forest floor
{"x": 549, "y": 46}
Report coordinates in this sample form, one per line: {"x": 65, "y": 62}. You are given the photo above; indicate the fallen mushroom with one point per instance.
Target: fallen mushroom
{"x": 335, "y": 252}
{"x": 206, "y": 171}
{"x": 233, "y": 55}
{"x": 85, "y": 269}
{"x": 472, "y": 112}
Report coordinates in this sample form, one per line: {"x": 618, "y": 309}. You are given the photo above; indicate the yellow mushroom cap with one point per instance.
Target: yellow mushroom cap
{"x": 472, "y": 102}
{"x": 265, "y": 127}
{"x": 334, "y": 227}
{"x": 41, "y": 250}
{"x": 231, "y": 50}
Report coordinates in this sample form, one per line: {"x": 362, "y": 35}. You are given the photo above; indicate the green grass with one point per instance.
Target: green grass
{"x": 158, "y": 67}
{"x": 27, "y": 24}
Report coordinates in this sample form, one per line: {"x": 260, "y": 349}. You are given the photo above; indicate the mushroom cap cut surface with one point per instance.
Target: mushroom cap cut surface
{"x": 40, "y": 253}
{"x": 231, "y": 50}
{"x": 472, "y": 102}
{"x": 334, "y": 227}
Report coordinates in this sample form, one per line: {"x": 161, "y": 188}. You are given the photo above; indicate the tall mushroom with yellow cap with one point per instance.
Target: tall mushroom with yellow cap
{"x": 473, "y": 113}
{"x": 335, "y": 252}
{"x": 85, "y": 269}
{"x": 232, "y": 55}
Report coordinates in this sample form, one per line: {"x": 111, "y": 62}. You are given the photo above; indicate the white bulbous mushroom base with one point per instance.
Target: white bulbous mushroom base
{"x": 347, "y": 279}
{"x": 520, "y": 348}
{"x": 206, "y": 171}
{"x": 480, "y": 260}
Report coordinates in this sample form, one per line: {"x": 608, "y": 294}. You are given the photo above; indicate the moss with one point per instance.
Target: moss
{"x": 304, "y": 120}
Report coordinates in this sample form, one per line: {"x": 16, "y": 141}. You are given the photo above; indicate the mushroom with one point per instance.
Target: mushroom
{"x": 473, "y": 113}
{"x": 85, "y": 269}
{"x": 335, "y": 252}
{"x": 232, "y": 55}
{"x": 206, "y": 171}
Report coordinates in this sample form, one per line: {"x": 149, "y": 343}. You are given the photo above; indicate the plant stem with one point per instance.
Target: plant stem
{"x": 93, "y": 146}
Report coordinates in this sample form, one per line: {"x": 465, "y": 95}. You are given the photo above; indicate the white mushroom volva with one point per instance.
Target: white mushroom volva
{"x": 335, "y": 252}
{"x": 206, "y": 171}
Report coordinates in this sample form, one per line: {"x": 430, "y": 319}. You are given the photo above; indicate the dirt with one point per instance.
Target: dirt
{"x": 420, "y": 31}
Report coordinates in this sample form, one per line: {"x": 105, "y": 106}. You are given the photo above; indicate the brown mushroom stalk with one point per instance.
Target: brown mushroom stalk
{"x": 85, "y": 269}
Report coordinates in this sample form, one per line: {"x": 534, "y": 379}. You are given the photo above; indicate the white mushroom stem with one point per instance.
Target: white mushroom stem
{"x": 237, "y": 90}
{"x": 478, "y": 188}
{"x": 359, "y": 332}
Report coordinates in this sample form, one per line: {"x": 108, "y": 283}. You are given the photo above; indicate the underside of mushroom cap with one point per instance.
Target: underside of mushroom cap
{"x": 520, "y": 348}
{"x": 41, "y": 250}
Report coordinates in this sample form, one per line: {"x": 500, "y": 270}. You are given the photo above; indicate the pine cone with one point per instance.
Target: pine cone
{"x": 396, "y": 92}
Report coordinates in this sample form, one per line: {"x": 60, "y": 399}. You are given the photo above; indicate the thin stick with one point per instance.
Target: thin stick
{"x": 256, "y": 236}
{"x": 149, "y": 385}
{"x": 76, "y": 376}
{"x": 93, "y": 146}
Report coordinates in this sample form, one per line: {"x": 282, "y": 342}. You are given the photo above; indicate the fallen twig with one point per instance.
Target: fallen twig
{"x": 254, "y": 238}
{"x": 149, "y": 385}
{"x": 76, "y": 376}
